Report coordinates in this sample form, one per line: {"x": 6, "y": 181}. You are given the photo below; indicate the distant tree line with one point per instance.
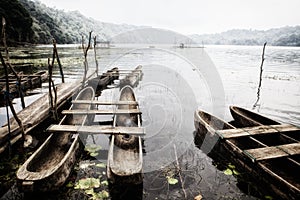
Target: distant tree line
{"x": 18, "y": 22}
{"x": 33, "y": 22}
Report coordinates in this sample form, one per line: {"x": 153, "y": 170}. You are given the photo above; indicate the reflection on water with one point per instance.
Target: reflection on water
{"x": 171, "y": 90}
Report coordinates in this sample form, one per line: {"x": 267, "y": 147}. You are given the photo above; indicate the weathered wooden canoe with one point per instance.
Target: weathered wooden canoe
{"x": 271, "y": 158}
{"x": 27, "y": 82}
{"x": 35, "y": 113}
{"x": 206, "y": 126}
{"x": 50, "y": 165}
{"x": 244, "y": 117}
{"x": 133, "y": 78}
{"x": 125, "y": 156}
{"x": 100, "y": 82}
{"x": 276, "y": 150}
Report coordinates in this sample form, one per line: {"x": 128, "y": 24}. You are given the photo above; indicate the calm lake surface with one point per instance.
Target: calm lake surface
{"x": 175, "y": 83}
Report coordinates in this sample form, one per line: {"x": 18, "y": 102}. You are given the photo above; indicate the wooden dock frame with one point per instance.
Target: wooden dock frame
{"x": 37, "y": 112}
{"x": 98, "y": 129}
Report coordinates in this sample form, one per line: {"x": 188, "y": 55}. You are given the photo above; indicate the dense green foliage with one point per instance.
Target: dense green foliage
{"x": 18, "y": 22}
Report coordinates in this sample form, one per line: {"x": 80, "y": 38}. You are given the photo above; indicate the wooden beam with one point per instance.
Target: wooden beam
{"x": 273, "y": 152}
{"x": 108, "y": 73}
{"x": 97, "y": 129}
{"x": 257, "y": 130}
{"x": 94, "y": 102}
{"x": 129, "y": 70}
{"x": 101, "y": 112}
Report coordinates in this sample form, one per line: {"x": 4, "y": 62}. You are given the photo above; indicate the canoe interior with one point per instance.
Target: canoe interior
{"x": 49, "y": 166}
{"x": 262, "y": 155}
{"x": 246, "y": 117}
{"x": 125, "y": 157}
{"x": 285, "y": 168}
{"x": 214, "y": 122}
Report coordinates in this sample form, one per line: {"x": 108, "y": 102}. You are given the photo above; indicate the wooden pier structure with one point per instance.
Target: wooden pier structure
{"x": 30, "y": 180}
{"x": 27, "y": 82}
{"x": 40, "y": 110}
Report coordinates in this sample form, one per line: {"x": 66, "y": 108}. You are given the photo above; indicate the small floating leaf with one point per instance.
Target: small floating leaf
{"x": 171, "y": 180}
{"x": 269, "y": 197}
{"x": 236, "y": 172}
{"x": 85, "y": 165}
{"x": 92, "y": 148}
{"x": 231, "y": 166}
{"x": 198, "y": 197}
{"x": 105, "y": 183}
{"x": 87, "y": 183}
{"x": 101, "y": 165}
{"x": 90, "y": 191}
{"x": 228, "y": 172}
{"x": 100, "y": 195}
{"x": 94, "y": 154}
{"x": 70, "y": 184}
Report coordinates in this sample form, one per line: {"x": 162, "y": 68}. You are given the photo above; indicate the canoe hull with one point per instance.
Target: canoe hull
{"x": 55, "y": 180}
{"x": 50, "y": 165}
{"x": 247, "y": 118}
{"x": 125, "y": 156}
{"x": 279, "y": 175}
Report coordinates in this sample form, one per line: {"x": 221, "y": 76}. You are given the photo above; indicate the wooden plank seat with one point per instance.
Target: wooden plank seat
{"x": 273, "y": 152}
{"x": 96, "y": 129}
{"x": 94, "y": 102}
{"x": 257, "y": 130}
{"x": 101, "y": 112}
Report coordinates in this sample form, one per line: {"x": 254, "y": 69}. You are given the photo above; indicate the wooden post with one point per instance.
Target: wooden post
{"x": 85, "y": 51}
{"x": 260, "y": 76}
{"x": 53, "y": 105}
{"x": 95, "y": 51}
{"x": 19, "y": 79}
{"x": 58, "y": 61}
{"x": 8, "y": 102}
{"x": 179, "y": 173}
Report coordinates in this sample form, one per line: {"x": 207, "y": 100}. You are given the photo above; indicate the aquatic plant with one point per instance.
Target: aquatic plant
{"x": 92, "y": 149}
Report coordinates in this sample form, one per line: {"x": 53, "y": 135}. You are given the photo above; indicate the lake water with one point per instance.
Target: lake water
{"x": 175, "y": 83}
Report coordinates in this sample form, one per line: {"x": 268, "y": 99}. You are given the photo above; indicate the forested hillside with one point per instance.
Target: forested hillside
{"x": 67, "y": 27}
{"x": 33, "y": 22}
{"x": 18, "y": 22}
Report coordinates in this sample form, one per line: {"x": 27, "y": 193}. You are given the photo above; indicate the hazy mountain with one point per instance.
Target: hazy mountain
{"x": 286, "y": 36}
{"x": 151, "y": 36}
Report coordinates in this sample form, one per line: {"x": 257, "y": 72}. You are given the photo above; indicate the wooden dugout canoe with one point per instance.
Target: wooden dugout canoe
{"x": 50, "y": 165}
{"x": 100, "y": 82}
{"x": 269, "y": 157}
{"x": 125, "y": 156}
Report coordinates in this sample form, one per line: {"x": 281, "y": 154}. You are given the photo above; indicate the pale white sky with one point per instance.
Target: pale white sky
{"x": 189, "y": 16}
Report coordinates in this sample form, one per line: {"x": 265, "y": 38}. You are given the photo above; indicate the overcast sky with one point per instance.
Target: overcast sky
{"x": 189, "y": 16}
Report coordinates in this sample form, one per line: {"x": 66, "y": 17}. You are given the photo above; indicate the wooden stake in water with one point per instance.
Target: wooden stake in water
{"x": 95, "y": 52}
{"x": 58, "y": 61}
{"x": 260, "y": 77}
